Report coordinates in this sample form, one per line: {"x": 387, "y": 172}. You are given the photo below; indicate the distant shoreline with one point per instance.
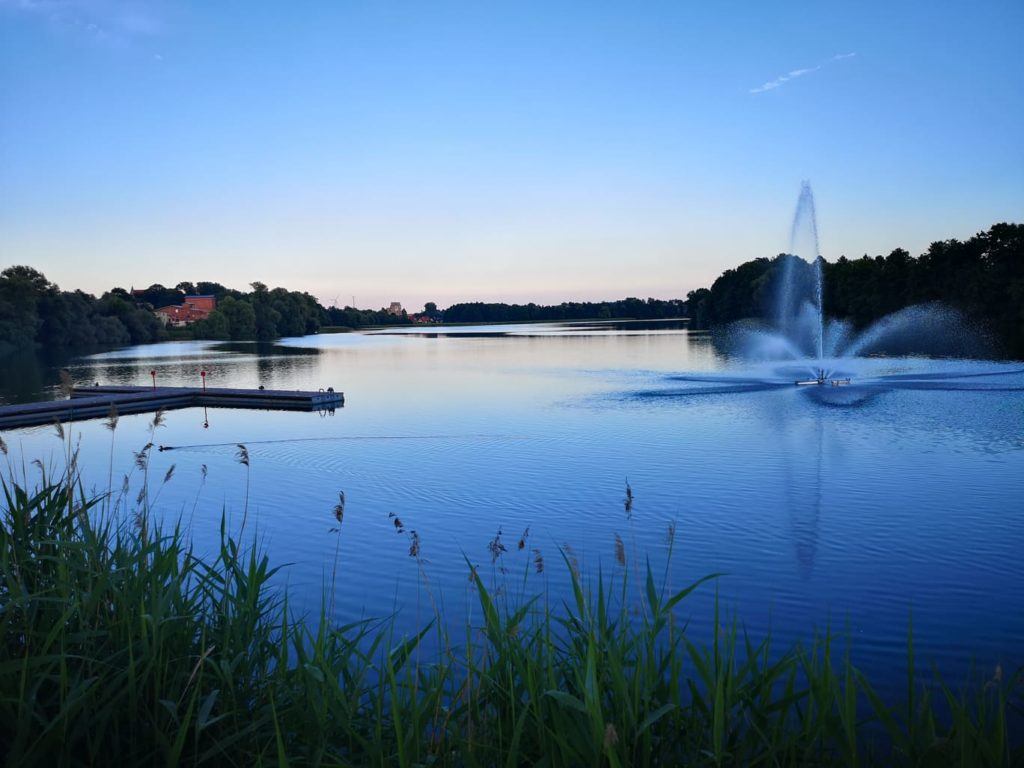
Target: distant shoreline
{"x": 584, "y": 321}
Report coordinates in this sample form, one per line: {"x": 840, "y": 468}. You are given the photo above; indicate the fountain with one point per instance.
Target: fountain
{"x": 796, "y": 314}
{"x": 803, "y": 240}
{"x": 799, "y": 330}
{"x": 797, "y": 343}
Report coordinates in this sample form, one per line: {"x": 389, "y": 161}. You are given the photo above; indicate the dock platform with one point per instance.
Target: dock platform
{"x": 95, "y": 402}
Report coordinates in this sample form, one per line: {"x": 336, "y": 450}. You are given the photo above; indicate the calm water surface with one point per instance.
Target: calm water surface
{"x": 848, "y": 509}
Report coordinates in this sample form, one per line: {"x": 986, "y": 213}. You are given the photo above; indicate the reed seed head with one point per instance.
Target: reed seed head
{"x": 112, "y": 417}
{"x": 58, "y": 429}
{"x": 611, "y": 736}
{"x": 495, "y": 547}
{"x": 574, "y": 563}
{"x": 142, "y": 457}
{"x": 142, "y": 522}
{"x": 170, "y": 474}
{"x": 339, "y": 508}
{"x": 414, "y": 544}
{"x": 159, "y": 418}
{"x": 538, "y": 561}
{"x": 3, "y": 446}
{"x": 66, "y": 384}
{"x": 242, "y": 454}
{"x": 620, "y": 551}
{"x": 522, "y": 539}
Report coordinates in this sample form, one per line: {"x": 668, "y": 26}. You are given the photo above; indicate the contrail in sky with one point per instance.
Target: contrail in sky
{"x": 794, "y": 74}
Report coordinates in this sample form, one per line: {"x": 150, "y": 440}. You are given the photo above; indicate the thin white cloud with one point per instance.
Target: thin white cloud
{"x": 795, "y": 73}
{"x": 105, "y": 20}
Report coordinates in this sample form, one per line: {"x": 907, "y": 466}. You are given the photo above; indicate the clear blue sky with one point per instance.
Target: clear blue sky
{"x": 432, "y": 150}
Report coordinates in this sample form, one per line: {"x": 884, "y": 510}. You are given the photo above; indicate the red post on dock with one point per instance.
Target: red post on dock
{"x": 203, "y": 374}
{"x": 153, "y": 374}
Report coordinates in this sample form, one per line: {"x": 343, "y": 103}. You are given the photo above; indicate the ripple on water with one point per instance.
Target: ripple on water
{"x": 849, "y": 508}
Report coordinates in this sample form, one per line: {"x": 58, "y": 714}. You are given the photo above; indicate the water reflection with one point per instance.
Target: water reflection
{"x": 814, "y": 505}
{"x": 804, "y": 496}
{"x": 26, "y": 377}
{"x": 226, "y": 364}
{"x": 525, "y": 330}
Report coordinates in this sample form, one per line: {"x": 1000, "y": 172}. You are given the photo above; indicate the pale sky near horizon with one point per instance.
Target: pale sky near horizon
{"x": 520, "y": 151}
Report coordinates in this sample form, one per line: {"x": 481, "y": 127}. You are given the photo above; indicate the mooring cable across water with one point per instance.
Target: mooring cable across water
{"x": 339, "y": 437}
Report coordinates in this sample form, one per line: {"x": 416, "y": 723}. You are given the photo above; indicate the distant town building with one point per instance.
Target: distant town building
{"x": 395, "y": 308}
{"x": 192, "y": 309}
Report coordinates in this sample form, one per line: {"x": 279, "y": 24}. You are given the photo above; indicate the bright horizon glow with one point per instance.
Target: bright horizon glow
{"x": 456, "y": 152}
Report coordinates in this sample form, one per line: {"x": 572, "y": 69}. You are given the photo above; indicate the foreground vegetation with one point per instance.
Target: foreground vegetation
{"x": 121, "y": 645}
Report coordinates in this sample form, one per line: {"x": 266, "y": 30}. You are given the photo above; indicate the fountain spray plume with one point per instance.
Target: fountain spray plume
{"x": 800, "y": 299}
{"x": 797, "y": 330}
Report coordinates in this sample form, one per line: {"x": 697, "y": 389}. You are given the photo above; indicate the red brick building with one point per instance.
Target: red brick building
{"x": 194, "y": 308}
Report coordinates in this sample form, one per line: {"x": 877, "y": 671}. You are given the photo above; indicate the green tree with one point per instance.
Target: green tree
{"x": 216, "y": 325}
{"x": 21, "y": 288}
{"x": 241, "y": 318}
{"x": 215, "y": 289}
{"x": 158, "y": 296}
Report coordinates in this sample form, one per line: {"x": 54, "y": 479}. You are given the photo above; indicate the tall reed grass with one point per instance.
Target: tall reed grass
{"x": 119, "y": 645}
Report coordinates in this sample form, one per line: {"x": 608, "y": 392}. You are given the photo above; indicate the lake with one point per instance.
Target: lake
{"x": 853, "y": 509}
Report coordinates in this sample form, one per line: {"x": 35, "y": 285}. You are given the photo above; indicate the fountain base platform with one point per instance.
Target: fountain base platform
{"x": 823, "y": 380}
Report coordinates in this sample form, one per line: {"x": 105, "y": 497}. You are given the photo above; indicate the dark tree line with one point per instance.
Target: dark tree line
{"x": 35, "y": 312}
{"x": 982, "y": 276}
{"x": 350, "y": 317}
{"x": 631, "y": 308}
{"x": 263, "y": 314}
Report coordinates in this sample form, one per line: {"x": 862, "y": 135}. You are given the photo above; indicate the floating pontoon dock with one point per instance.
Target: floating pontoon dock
{"x": 95, "y": 402}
